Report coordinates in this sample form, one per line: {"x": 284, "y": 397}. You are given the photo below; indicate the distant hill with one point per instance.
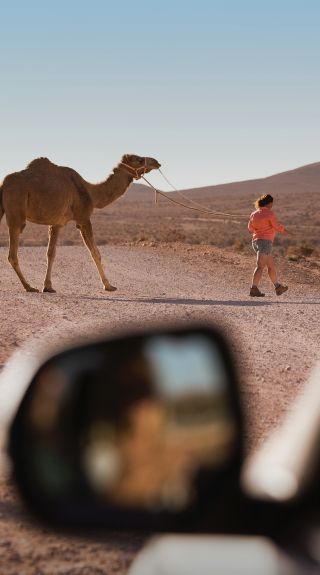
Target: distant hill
{"x": 305, "y": 178}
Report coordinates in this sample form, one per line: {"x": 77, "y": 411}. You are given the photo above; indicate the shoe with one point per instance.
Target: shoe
{"x": 281, "y": 289}
{"x": 255, "y": 292}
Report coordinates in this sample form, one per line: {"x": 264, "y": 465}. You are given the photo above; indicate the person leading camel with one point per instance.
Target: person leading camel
{"x": 264, "y": 225}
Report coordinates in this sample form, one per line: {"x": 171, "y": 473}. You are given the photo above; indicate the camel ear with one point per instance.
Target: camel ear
{"x": 125, "y": 158}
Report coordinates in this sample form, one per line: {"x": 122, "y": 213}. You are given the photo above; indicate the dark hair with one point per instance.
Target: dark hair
{"x": 263, "y": 201}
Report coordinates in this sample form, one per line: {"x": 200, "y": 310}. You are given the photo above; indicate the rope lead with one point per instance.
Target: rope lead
{"x": 198, "y": 208}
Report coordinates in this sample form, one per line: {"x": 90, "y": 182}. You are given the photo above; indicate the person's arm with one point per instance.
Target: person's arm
{"x": 250, "y": 225}
{"x": 279, "y": 227}
{"x": 276, "y": 224}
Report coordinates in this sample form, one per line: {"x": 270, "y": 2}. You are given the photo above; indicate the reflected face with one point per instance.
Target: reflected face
{"x": 161, "y": 457}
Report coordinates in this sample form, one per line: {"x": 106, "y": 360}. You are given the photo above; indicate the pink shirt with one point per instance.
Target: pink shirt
{"x": 264, "y": 224}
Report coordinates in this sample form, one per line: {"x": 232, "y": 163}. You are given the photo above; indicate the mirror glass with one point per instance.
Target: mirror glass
{"x": 131, "y": 422}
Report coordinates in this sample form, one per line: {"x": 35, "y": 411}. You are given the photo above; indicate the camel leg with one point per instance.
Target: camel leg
{"x": 51, "y": 252}
{"x": 87, "y": 236}
{"x": 13, "y": 257}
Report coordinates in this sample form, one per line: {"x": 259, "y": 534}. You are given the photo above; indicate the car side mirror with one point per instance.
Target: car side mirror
{"x": 143, "y": 431}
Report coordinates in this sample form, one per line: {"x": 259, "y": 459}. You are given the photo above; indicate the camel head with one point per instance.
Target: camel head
{"x": 137, "y": 166}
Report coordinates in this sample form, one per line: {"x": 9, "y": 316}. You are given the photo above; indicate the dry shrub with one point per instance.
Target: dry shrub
{"x": 294, "y": 253}
{"x": 175, "y": 235}
{"x": 292, "y": 257}
{"x": 141, "y": 237}
{"x": 240, "y": 244}
{"x": 305, "y": 250}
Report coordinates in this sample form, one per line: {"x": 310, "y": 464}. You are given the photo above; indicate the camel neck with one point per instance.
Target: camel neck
{"x": 112, "y": 188}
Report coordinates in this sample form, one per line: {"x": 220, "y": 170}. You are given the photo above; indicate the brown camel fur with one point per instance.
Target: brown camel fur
{"x": 53, "y": 195}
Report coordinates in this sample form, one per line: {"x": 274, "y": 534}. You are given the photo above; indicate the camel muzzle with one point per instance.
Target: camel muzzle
{"x": 154, "y": 164}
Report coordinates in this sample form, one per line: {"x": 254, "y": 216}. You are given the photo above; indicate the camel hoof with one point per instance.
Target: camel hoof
{"x": 48, "y": 290}
{"x": 31, "y": 289}
{"x": 110, "y": 288}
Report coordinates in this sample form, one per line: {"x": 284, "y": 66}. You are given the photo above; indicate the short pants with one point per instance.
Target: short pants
{"x": 264, "y": 247}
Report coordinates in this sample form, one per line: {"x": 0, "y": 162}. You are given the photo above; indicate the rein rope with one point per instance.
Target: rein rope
{"x": 138, "y": 173}
{"x": 198, "y": 207}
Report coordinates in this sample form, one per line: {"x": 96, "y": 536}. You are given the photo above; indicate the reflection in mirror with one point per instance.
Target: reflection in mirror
{"x": 130, "y": 423}
{"x": 150, "y": 454}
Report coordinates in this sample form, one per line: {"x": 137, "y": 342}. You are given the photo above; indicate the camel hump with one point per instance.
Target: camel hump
{"x": 40, "y": 163}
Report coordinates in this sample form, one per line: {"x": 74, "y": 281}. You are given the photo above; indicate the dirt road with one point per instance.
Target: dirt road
{"x": 276, "y": 341}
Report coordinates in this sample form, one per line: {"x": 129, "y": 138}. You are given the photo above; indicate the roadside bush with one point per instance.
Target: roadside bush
{"x": 240, "y": 244}
{"x": 140, "y": 237}
{"x": 294, "y": 253}
{"x": 305, "y": 250}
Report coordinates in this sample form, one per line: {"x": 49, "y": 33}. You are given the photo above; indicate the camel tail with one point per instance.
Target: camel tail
{"x": 1, "y": 205}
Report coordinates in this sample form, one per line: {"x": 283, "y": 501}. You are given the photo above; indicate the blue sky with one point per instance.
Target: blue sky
{"x": 215, "y": 90}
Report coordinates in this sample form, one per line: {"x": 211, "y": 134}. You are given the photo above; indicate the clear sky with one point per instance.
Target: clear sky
{"x": 216, "y": 90}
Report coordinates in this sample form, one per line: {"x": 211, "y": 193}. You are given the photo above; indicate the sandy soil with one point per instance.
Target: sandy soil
{"x": 275, "y": 340}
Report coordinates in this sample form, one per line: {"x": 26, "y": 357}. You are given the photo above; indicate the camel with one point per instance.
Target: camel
{"x": 52, "y": 195}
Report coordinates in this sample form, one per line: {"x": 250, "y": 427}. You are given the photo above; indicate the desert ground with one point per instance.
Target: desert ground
{"x": 169, "y": 265}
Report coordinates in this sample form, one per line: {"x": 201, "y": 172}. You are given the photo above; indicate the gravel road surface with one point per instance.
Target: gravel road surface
{"x": 275, "y": 341}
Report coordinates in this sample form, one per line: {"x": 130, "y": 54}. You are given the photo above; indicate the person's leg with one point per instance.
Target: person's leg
{"x": 262, "y": 261}
{"x": 257, "y": 274}
{"x": 280, "y": 289}
{"x": 272, "y": 271}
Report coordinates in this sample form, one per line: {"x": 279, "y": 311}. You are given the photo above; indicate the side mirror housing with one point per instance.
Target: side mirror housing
{"x": 143, "y": 431}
